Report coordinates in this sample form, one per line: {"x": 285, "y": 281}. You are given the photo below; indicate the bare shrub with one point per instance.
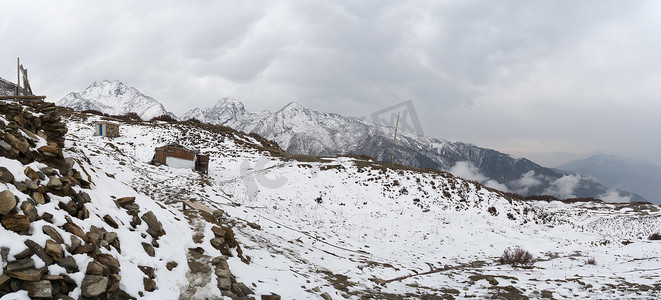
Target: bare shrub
{"x": 166, "y": 118}
{"x": 492, "y": 210}
{"x": 94, "y": 112}
{"x": 516, "y": 256}
{"x": 541, "y": 198}
{"x": 655, "y": 236}
{"x": 130, "y": 116}
{"x": 357, "y": 156}
{"x": 591, "y": 261}
{"x": 575, "y": 200}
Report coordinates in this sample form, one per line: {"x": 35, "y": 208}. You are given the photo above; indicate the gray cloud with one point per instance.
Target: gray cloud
{"x": 522, "y": 77}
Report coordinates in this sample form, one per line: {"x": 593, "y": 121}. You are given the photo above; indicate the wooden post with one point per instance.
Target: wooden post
{"x": 26, "y": 83}
{"x": 18, "y": 76}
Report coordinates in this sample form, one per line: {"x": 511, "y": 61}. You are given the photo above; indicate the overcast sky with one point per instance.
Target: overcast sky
{"x": 530, "y": 78}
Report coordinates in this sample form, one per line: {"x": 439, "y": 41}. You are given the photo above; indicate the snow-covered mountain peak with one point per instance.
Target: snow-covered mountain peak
{"x": 115, "y": 98}
{"x": 229, "y": 102}
{"x": 293, "y": 107}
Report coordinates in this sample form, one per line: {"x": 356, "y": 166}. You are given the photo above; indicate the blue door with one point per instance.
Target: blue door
{"x": 101, "y": 129}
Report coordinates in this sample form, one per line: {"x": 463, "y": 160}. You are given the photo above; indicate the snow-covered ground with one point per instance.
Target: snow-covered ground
{"x": 353, "y": 229}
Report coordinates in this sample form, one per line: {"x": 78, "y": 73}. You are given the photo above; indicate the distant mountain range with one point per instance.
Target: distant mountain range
{"x": 641, "y": 177}
{"x": 300, "y": 130}
{"x": 115, "y": 98}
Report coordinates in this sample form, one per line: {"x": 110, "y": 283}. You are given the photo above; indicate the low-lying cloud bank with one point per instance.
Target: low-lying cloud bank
{"x": 564, "y": 187}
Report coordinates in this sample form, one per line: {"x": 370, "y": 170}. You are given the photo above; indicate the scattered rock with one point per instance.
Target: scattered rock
{"x": 326, "y": 296}
{"x": 254, "y": 226}
{"x": 75, "y": 243}
{"x": 53, "y": 234}
{"x": 271, "y": 297}
{"x": 16, "y": 223}
{"x": 155, "y": 227}
{"x": 135, "y": 221}
{"x": 5, "y": 175}
{"x": 54, "y": 183}
{"x": 4, "y": 278}
{"x": 20, "y": 264}
{"x": 7, "y": 202}
{"x": 39, "y": 251}
{"x": 171, "y": 265}
{"x": 149, "y": 271}
{"x": 48, "y": 171}
{"x": 132, "y": 209}
{"x": 21, "y": 186}
{"x": 74, "y": 229}
{"x": 24, "y": 254}
{"x": 51, "y": 150}
{"x": 110, "y": 237}
{"x": 4, "y": 145}
{"x": 218, "y": 232}
{"x": 109, "y": 261}
{"x": 86, "y": 248}
{"x": 69, "y": 207}
{"x": 218, "y": 214}
{"x": 94, "y": 268}
{"x": 110, "y": 221}
{"x": 15, "y": 284}
{"x": 39, "y": 289}
{"x": 241, "y": 290}
{"x": 54, "y": 250}
{"x": 113, "y": 285}
{"x": 150, "y": 285}
{"x": 21, "y": 145}
{"x": 224, "y": 284}
{"x": 29, "y": 274}
{"x": 93, "y": 237}
{"x": 217, "y": 242}
{"x": 68, "y": 166}
{"x": 94, "y": 285}
{"x": 29, "y": 211}
{"x": 48, "y": 217}
{"x": 39, "y": 198}
{"x": 69, "y": 264}
{"x": 30, "y": 173}
{"x": 220, "y": 261}
{"x": 30, "y": 185}
{"x": 223, "y": 273}
{"x": 125, "y": 200}
{"x": 148, "y": 249}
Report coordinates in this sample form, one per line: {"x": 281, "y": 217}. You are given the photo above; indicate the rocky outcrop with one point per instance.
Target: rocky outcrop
{"x": 32, "y": 131}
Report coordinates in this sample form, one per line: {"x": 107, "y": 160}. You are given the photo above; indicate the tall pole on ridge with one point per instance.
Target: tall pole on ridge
{"x": 394, "y": 141}
{"x": 18, "y": 76}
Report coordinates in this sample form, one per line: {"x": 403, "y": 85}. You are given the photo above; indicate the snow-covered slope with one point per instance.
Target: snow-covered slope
{"x": 300, "y": 130}
{"x": 352, "y": 229}
{"x": 114, "y": 98}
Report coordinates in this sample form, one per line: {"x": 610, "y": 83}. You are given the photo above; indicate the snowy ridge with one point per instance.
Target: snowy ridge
{"x": 300, "y": 130}
{"x": 7, "y": 87}
{"x": 351, "y": 228}
{"x": 114, "y": 98}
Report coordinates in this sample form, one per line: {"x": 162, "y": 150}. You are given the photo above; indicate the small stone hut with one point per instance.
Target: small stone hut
{"x": 177, "y": 156}
{"x": 106, "y": 128}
